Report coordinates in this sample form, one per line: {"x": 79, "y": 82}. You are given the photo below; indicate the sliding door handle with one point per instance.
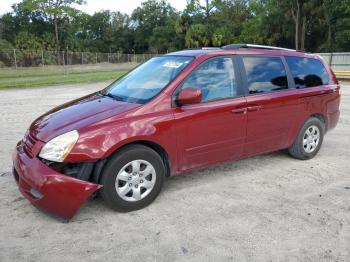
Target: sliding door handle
{"x": 254, "y": 108}
{"x": 242, "y": 110}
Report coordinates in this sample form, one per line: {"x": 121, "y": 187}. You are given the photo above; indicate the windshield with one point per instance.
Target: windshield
{"x": 146, "y": 81}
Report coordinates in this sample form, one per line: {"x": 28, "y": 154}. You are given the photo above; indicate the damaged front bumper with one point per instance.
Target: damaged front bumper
{"x": 48, "y": 189}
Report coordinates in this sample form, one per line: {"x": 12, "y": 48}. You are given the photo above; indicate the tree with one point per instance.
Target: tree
{"x": 123, "y": 37}
{"x": 227, "y": 20}
{"x": 196, "y": 36}
{"x": 264, "y": 24}
{"x": 27, "y": 41}
{"x": 53, "y": 10}
{"x": 295, "y": 10}
{"x": 6, "y": 58}
{"x": 163, "y": 38}
{"x": 146, "y": 18}
{"x": 337, "y": 21}
{"x": 28, "y": 46}
{"x": 155, "y": 26}
{"x": 193, "y": 25}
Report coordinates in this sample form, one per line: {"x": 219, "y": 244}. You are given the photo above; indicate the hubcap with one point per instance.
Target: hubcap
{"x": 135, "y": 180}
{"x": 311, "y": 139}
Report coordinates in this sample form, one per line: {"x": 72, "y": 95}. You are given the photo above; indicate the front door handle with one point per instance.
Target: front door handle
{"x": 242, "y": 110}
{"x": 254, "y": 108}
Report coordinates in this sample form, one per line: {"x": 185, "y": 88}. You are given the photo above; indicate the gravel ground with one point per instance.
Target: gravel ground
{"x": 266, "y": 208}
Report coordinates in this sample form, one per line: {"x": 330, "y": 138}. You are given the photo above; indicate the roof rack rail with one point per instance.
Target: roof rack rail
{"x": 210, "y": 48}
{"x": 204, "y": 48}
{"x": 238, "y": 46}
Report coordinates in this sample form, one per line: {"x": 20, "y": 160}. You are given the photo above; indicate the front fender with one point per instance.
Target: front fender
{"x": 101, "y": 140}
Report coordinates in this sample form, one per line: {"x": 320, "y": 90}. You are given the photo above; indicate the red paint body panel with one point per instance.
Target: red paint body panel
{"x": 270, "y": 125}
{"x": 193, "y": 136}
{"x": 78, "y": 113}
{"x": 210, "y": 132}
{"x": 61, "y": 194}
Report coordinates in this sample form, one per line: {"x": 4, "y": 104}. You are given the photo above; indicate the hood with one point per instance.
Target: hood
{"x": 76, "y": 114}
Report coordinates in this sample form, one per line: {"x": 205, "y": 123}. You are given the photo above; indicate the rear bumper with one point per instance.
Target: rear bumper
{"x": 48, "y": 189}
{"x": 333, "y": 119}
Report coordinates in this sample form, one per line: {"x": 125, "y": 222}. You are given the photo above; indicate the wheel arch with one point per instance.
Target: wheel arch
{"x": 321, "y": 117}
{"x": 294, "y": 148}
{"x": 299, "y": 126}
{"x": 153, "y": 145}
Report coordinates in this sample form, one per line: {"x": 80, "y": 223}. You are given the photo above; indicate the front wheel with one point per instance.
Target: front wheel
{"x": 309, "y": 139}
{"x": 132, "y": 178}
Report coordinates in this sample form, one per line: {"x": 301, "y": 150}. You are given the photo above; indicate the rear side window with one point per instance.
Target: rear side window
{"x": 307, "y": 72}
{"x": 265, "y": 74}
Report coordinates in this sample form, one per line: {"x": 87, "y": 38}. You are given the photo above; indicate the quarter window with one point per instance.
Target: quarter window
{"x": 307, "y": 72}
{"x": 265, "y": 74}
{"x": 215, "y": 78}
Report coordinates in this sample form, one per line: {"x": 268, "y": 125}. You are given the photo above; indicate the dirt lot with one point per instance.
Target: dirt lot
{"x": 266, "y": 208}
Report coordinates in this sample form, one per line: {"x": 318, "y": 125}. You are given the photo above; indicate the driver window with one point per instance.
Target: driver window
{"x": 215, "y": 78}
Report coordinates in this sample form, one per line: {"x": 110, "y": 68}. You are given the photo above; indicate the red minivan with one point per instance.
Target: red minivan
{"x": 176, "y": 113}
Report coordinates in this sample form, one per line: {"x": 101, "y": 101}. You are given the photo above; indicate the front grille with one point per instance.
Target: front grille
{"x": 29, "y": 142}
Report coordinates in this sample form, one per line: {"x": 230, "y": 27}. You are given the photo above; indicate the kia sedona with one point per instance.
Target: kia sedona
{"x": 173, "y": 114}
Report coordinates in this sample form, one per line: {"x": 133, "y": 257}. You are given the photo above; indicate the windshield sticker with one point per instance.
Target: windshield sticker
{"x": 173, "y": 64}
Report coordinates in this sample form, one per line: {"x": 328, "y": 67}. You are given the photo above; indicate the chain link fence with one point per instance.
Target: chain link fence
{"x": 27, "y": 58}
{"x": 15, "y": 58}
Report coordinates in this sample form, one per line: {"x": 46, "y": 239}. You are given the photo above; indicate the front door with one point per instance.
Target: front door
{"x": 214, "y": 130}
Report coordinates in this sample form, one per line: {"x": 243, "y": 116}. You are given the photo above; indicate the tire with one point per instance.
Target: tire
{"x": 306, "y": 149}
{"x": 121, "y": 174}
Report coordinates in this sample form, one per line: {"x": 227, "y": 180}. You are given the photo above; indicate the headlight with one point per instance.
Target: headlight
{"x": 59, "y": 147}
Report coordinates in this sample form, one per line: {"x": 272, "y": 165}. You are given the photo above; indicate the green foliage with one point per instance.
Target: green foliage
{"x": 53, "y": 11}
{"x": 196, "y": 36}
{"x": 153, "y": 23}
{"x": 217, "y": 38}
{"x": 155, "y": 26}
{"x": 52, "y": 8}
{"x": 5, "y": 45}
{"x": 5, "y": 57}
{"x": 27, "y": 41}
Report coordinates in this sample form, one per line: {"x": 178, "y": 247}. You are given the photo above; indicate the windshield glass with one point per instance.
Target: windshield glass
{"x": 147, "y": 80}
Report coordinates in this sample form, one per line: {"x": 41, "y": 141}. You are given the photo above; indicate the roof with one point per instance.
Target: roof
{"x": 240, "y": 49}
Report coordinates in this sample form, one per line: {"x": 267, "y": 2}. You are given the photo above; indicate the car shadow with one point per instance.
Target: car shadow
{"x": 189, "y": 180}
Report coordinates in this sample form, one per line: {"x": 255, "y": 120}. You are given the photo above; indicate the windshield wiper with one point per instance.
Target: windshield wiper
{"x": 115, "y": 97}
{"x": 101, "y": 93}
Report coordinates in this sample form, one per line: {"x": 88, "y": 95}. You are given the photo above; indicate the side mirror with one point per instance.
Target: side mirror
{"x": 189, "y": 96}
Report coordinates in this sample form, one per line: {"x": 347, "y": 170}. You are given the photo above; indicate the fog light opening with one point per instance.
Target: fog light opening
{"x": 35, "y": 193}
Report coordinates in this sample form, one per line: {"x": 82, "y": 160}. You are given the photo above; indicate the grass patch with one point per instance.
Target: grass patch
{"x": 37, "y": 77}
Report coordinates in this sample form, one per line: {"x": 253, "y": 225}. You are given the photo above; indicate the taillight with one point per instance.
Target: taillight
{"x": 334, "y": 78}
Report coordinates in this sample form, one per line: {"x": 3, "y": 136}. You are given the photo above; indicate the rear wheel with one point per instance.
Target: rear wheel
{"x": 309, "y": 139}
{"x": 132, "y": 178}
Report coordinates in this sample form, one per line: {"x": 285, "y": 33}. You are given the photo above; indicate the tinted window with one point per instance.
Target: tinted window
{"x": 215, "y": 78}
{"x": 147, "y": 80}
{"x": 307, "y": 72}
{"x": 265, "y": 74}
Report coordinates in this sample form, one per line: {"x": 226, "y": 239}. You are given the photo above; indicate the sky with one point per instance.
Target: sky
{"x": 92, "y": 6}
